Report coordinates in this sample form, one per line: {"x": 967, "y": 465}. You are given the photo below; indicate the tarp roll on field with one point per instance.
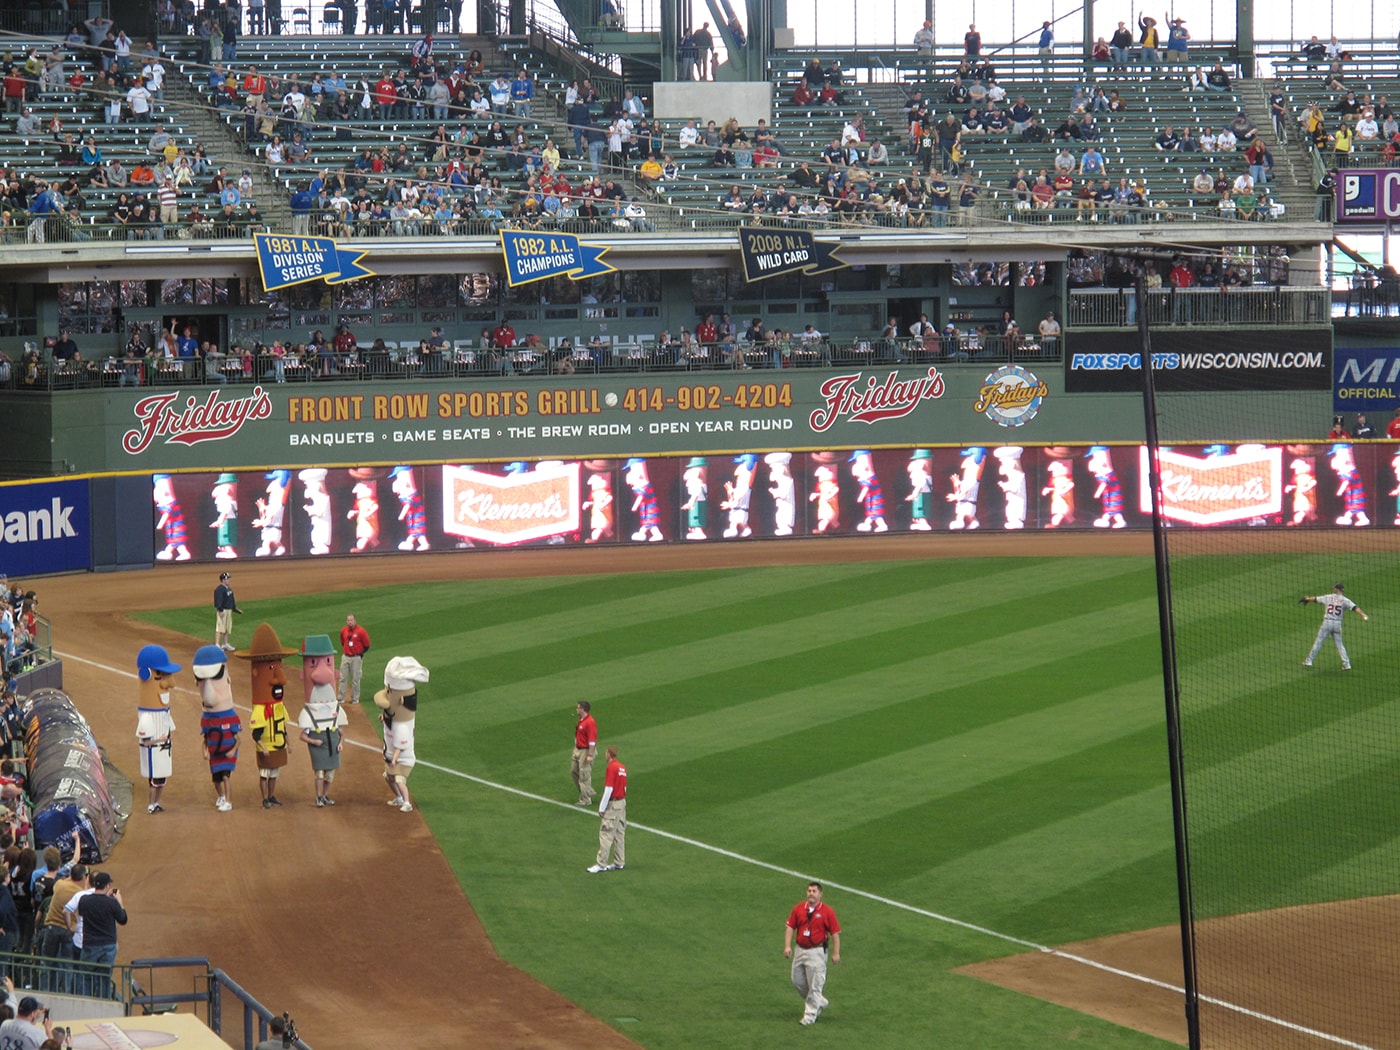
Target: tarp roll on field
{"x": 66, "y": 778}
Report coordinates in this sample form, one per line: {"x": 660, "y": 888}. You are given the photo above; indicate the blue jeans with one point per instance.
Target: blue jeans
{"x": 98, "y": 976}
{"x": 55, "y": 947}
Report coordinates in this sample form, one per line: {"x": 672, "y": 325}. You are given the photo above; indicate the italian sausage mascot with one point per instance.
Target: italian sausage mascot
{"x": 268, "y": 723}
{"x": 783, "y": 490}
{"x": 218, "y": 721}
{"x": 156, "y": 678}
{"x": 1012, "y": 484}
{"x": 322, "y": 719}
{"x": 398, "y": 706}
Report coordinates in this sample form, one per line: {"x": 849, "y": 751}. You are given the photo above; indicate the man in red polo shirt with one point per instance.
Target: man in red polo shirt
{"x": 585, "y": 750}
{"x": 612, "y": 835}
{"x": 503, "y": 337}
{"x": 815, "y": 924}
{"x": 354, "y": 643}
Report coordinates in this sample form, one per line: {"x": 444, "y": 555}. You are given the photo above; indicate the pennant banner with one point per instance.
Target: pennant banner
{"x": 532, "y": 256}
{"x": 768, "y": 252}
{"x": 285, "y": 261}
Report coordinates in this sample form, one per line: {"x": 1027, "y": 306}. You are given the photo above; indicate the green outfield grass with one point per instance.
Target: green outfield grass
{"x": 981, "y": 739}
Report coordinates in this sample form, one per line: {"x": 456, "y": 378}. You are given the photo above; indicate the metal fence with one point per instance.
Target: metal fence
{"x": 464, "y": 361}
{"x": 1259, "y": 306}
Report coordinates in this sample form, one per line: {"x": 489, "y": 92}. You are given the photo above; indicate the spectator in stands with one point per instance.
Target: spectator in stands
{"x": 1218, "y": 80}
{"x": 1225, "y": 141}
{"x": 1150, "y": 40}
{"x": 1260, "y": 160}
{"x": 1069, "y": 129}
{"x": 1196, "y": 83}
{"x": 522, "y": 93}
{"x": 705, "y": 56}
{"x": 1367, "y": 130}
{"x": 1034, "y": 131}
{"x": 923, "y": 40}
{"x": 1314, "y": 52}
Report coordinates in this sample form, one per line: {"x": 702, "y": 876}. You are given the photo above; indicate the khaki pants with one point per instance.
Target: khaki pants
{"x": 351, "y": 668}
{"x": 612, "y": 836}
{"x": 581, "y": 767}
{"x": 809, "y": 977}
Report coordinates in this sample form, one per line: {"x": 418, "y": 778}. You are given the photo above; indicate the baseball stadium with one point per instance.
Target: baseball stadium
{"x": 906, "y": 450}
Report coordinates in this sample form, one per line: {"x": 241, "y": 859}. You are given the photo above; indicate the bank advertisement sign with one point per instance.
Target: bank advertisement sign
{"x": 44, "y": 528}
{"x": 699, "y": 499}
{"x": 1183, "y": 360}
{"x": 1367, "y": 380}
{"x": 1368, "y": 195}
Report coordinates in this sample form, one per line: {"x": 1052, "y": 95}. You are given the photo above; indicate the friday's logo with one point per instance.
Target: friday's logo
{"x": 1011, "y": 396}
{"x": 873, "y": 402}
{"x": 214, "y": 420}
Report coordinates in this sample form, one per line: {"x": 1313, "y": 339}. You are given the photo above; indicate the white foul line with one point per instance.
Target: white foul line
{"x": 753, "y": 861}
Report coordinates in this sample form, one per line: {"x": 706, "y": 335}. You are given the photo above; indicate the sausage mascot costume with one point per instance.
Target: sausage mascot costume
{"x": 271, "y": 512}
{"x": 218, "y": 722}
{"x": 172, "y": 519}
{"x": 268, "y": 723}
{"x": 154, "y": 726}
{"x": 398, "y": 704}
{"x": 322, "y": 717}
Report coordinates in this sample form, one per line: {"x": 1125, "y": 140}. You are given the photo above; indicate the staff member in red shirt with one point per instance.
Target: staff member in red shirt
{"x": 354, "y": 643}
{"x": 612, "y": 835}
{"x": 815, "y": 924}
{"x": 585, "y": 750}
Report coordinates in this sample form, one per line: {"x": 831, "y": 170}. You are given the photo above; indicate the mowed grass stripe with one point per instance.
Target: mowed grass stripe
{"x": 848, "y": 624}
{"x": 585, "y": 606}
{"x": 897, "y": 783}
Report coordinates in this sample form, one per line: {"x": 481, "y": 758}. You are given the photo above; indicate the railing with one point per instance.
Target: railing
{"x": 1269, "y": 306}
{"x": 465, "y": 361}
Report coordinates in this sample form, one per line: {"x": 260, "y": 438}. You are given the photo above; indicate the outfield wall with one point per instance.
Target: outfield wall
{"x": 139, "y": 520}
{"x": 344, "y": 424}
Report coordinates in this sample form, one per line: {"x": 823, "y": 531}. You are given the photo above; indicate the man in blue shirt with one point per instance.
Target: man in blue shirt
{"x": 301, "y": 203}
{"x": 1046, "y": 47}
{"x": 522, "y": 93}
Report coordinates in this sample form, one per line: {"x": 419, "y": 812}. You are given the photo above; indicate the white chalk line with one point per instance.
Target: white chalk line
{"x": 854, "y": 891}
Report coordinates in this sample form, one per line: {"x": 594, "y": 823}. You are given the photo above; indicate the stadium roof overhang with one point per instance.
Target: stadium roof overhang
{"x": 63, "y": 262}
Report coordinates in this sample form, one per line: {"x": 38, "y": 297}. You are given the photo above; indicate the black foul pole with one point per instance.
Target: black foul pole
{"x": 1170, "y": 684}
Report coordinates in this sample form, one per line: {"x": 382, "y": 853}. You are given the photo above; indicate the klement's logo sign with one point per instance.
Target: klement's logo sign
{"x": 873, "y": 402}
{"x": 213, "y": 420}
{"x": 521, "y": 506}
{"x": 1234, "y": 486}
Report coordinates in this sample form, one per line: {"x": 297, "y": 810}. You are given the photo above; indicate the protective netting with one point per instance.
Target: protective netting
{"x": 1291, "y": 773}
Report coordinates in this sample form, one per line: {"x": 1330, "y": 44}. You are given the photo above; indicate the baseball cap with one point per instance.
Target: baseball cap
{"x": 29, "y": 1004}
{"x": 223, "y": 576}
{"x": 101, "y": 880}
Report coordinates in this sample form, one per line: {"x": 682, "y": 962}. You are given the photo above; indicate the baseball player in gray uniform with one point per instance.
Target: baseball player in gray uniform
{"x": 1335, "y": 606}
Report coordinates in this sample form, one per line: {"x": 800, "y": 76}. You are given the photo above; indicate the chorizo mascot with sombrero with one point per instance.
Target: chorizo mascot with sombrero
{"x": 154, "y": 726}
{"x": 398, "y": 703}
{"x": 268, "y": 724}
{"x": 218, "y": 721}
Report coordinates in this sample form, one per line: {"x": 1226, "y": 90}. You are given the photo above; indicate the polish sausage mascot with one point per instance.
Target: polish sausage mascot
{"x": 156, "y": 678}
{"x": 322, "y": 719}
{"x": 268, "y": 723}
{"x": 218, "y": 721}
{"x": 398, "y": 705}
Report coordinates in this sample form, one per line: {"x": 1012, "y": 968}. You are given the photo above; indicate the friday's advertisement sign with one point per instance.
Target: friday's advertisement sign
{"x": 499, "y": 420}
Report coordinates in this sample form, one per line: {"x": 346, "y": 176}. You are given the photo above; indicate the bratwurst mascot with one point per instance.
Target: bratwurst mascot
{"x": 322, "y": 717}
{"x": 153, "y": 722}
{"x": 268, "y": 723}
{"x": 399, "y": 703}
{"x": 218, "y": 722}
